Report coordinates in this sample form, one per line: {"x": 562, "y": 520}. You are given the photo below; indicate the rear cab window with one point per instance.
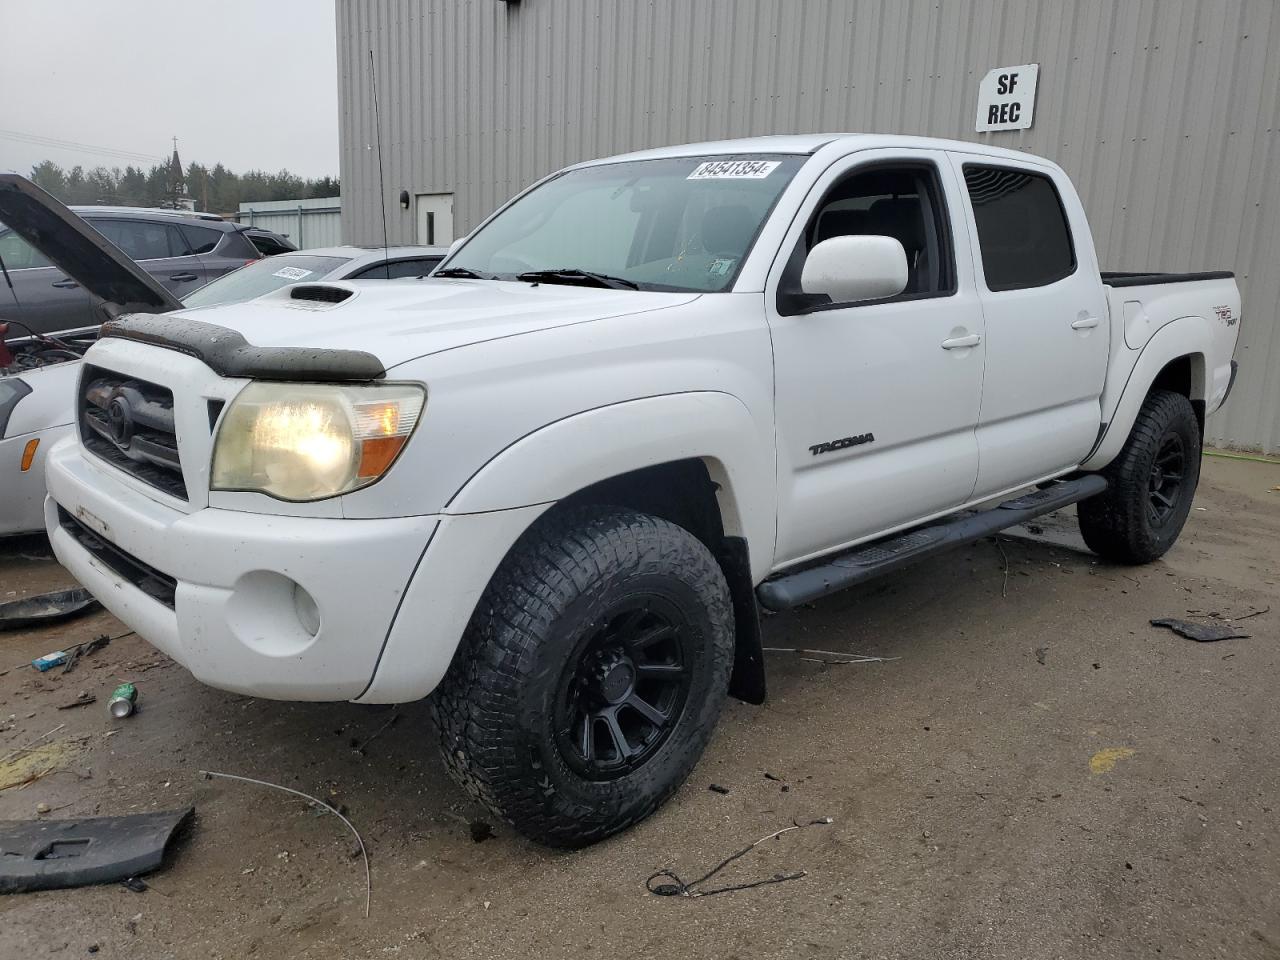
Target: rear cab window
{"x": 1023, "y": 234}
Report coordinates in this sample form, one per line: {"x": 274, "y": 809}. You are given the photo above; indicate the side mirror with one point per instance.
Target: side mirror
{"x": 848, "y": 269}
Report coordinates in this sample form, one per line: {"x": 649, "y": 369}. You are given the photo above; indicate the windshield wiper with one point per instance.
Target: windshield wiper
{"x": 573, "y": 275}
{"x": 461, "y": 273}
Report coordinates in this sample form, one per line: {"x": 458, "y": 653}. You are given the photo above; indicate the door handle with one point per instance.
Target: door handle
{"x": 956, "y": 343}
{"x": 65, "y": 284}
{"x": 182, "y": 276}
{"x": 1084, "y": 323}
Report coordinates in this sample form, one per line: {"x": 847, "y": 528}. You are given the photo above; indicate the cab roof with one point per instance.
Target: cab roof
{"x": 810, "y": 143}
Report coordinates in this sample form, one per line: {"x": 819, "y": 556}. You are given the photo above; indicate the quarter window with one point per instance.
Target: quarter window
{"x": 1022, "y": 228}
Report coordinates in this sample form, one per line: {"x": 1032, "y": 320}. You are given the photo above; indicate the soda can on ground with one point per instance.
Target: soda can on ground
{"x": 123, "y": 702}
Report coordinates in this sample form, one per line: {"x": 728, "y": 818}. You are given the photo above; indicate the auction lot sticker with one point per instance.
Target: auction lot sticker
{"x": 292, "y": 273}
{"x": 734, "y": 170}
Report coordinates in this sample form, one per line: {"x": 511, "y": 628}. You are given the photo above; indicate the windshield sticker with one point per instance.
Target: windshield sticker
{"x": 721, "y": 267}
{"x": 292, "y": 273}
{"x": 734, "y": 170}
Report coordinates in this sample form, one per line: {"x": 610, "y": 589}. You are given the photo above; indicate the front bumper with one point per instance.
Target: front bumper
{"x": 235, "y": 619}
{"x": 394, "y": 595}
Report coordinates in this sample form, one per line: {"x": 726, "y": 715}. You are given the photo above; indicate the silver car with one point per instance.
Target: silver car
{"x": 322, "y": 263}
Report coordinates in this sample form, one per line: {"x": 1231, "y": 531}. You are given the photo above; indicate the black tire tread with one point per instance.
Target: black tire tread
{"x": 558, "y": 559}
{"x": 1113, "y": 523}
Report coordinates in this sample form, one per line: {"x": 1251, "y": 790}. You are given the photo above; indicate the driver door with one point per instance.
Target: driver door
{"x": 877, "y": 402}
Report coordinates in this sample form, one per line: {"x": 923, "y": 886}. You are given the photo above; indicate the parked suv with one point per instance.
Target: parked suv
{"x": 182, "y": 252}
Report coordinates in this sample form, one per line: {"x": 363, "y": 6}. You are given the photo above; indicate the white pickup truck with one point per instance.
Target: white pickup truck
{"x": 553, "y": 484}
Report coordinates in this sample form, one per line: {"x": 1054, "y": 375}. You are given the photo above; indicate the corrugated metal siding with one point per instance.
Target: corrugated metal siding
{"x": 314, "y": 222}
{"x": 1165, "y": 112}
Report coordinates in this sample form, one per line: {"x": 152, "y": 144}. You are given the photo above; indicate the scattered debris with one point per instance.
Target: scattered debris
{"x": 1200, "y": 632}
{"x": 50, "y": 660}
{"x": 46, "y": 607}
{"x": 774, "y": 777}
{"x": 368, "y": 883}
{"x": 134, "y": 884}
{"x": 50, "y": 854}
{"x": 678, "y": 888}
{"x": 481, "y": 830}
{"x": 1104, "y": 761}
{"x": 42, "y": 808}
{"x": 23, "y": 749}
{"x": 83, "y": 700}
{"x": 84, "y": 650}
{"x": 124, "y": 701}
{"x": 1255, "y": 613}
{"x": 360, "y": 747}
{"x": 1041, "y": 653}
{"x": 717, "y": 788}
{"x": 842, "y": 657}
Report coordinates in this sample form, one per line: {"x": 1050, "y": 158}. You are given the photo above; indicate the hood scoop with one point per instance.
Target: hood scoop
{"x": 320, "y": 294}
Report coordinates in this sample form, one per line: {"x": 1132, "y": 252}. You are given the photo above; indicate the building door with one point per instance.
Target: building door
{"x": 435, "y": 219}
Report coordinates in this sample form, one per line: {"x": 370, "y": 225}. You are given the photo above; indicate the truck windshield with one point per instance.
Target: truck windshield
{"x": 684, "y": 223}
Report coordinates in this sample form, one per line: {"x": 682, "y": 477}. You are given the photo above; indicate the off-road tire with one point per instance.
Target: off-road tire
{"x": 1120, "y": 525}
{"x": 494, "y": 709}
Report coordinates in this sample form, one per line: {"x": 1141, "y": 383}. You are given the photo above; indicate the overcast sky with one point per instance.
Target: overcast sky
{"x": 250, "y": 83}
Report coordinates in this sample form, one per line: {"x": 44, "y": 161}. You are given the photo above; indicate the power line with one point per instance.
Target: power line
{"x": 78, "y": 147}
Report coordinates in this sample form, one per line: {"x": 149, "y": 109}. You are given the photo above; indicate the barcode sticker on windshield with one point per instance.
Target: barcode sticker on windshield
{"x": 734, "y": 170}
{"x": 292, "y": 273}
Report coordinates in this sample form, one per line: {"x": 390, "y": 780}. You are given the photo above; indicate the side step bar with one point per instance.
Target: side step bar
{"x": 868, "y": 561}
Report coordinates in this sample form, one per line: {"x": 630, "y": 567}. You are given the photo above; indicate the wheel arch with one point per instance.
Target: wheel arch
{"x": 1176, "y": 359}
{"x": 696, "y": 459}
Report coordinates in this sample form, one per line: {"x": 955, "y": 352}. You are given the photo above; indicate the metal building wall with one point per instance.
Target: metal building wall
{"x": 314, "y": 222}
{"x": 1165, "y": 112}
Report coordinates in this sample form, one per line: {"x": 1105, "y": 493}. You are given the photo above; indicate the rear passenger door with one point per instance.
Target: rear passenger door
{"x": 1047, "y": 336}
{"x": 159, "y": 248}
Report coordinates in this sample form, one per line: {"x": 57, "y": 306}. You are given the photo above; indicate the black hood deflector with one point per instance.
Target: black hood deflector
{"x": 116, "y": 283}
{"x": 228, "y": 354}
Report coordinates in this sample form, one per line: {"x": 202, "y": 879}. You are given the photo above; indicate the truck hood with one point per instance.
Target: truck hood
{"x": 116, "y": 284}
{"x": 394, "y": 321}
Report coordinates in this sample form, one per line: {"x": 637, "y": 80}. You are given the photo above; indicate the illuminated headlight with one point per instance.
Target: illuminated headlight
{"x": 312, "y": 441}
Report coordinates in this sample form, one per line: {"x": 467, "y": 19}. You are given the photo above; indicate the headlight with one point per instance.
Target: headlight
{"x": 312, "y": 441}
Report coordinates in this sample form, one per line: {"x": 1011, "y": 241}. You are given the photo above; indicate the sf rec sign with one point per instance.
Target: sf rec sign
{"x": 1007, "y": 98}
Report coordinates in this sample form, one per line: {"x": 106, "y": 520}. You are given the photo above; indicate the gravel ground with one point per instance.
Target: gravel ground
{"x": 1040, "y": 774}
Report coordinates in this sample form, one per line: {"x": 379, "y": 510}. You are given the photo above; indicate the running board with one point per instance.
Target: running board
{"x": 868, "y": 561}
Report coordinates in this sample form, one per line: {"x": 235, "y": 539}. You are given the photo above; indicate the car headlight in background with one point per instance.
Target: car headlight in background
{"x": 312, "y": 441}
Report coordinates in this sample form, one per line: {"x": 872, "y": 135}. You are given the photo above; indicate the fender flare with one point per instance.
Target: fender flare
{"x": 568, "y": 455}
{"x": 1188, "y": 336}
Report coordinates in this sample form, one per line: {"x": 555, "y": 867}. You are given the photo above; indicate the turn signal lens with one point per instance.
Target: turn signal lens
{"x": 29, "y": 453}
{"x": 313, "y": 441}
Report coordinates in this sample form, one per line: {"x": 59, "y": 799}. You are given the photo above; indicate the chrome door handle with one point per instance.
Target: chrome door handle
{"x": 1084, "y": 323}
{"x": 955, "y": 343}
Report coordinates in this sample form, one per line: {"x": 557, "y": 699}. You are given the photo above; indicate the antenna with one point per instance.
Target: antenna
{"x": 382, "y": 187}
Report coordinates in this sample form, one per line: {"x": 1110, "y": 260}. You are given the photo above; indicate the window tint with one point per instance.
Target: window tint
{"x": 17, "y": 254}
{"x": 1022, "y": 228}
{"x": 398, "y": 269}
{"x": 143, "y": 240}
{"x": 903, "y": 203}
{"x": 200, "y": 239}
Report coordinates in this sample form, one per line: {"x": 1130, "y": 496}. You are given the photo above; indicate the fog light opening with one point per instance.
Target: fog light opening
{"x": 304, "y": 606}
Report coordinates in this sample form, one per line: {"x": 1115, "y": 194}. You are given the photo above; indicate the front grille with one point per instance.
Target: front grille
{"x": 129, "y": 423}
{"x": 157, "y": 585}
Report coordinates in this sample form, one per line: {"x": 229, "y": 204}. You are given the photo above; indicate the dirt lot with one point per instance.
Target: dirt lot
{"x": 975, "y": 811}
